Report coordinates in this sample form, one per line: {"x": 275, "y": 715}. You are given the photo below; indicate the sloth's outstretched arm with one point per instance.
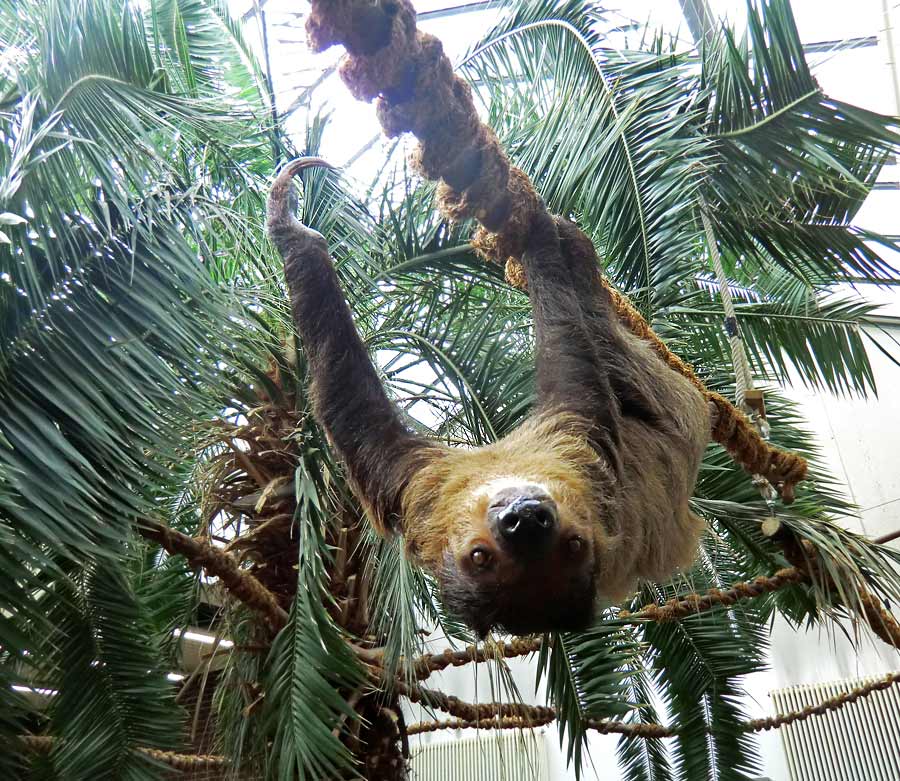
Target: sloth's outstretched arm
{"x": 348, "y": 399}
{"x": 576, "y": 348}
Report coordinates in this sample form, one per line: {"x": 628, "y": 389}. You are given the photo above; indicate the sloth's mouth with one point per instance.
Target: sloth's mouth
{"x": 573, "y": 615}
{"x": 527, "y": 607}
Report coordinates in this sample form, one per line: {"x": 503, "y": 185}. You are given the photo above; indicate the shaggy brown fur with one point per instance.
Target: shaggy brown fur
{"x": 406, "y": 71}
{"x": 613, "y": 446}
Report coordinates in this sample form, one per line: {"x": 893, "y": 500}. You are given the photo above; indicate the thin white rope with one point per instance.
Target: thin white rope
{"x": 743, "y": 374}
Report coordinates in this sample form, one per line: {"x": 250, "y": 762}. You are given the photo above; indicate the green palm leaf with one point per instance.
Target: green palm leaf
{"x": 113, "y": 696}
{"x": 140, "y": 305}
{"x": 604, "y": 137}
{"x": 791, "y": 166}
{"x": 310, "y": 662}
{"x": 697, "y": 662}
{"x": 587, "y": 678}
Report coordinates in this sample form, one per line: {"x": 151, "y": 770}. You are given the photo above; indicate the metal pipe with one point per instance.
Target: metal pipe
{"x": 892, "y": 53}
{"x": 884, "y": 538}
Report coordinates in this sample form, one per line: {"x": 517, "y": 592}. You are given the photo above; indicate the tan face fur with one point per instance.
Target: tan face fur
{"x": 451, "y": 511}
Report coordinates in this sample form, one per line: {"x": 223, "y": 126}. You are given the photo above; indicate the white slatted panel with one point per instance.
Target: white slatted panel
{"x": 859, "y": 742}
{"x": 508, "y": 755}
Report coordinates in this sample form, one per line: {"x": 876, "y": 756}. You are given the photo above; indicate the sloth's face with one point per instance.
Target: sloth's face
{"x": 514, "y": 530}
{"x": 522, "y": 559}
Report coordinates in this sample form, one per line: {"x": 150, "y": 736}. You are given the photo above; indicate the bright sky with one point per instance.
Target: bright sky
{"x": 861, "y": 76}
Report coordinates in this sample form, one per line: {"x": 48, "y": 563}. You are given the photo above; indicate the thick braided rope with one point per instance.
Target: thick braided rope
{"x": 673, "y": 610}
{"x": 412, "y": 81}
{"x": 832, "y": 703}
{"x": 216, "y": 562}
{"x": 510, "y": 722}
{"x": 43, "y": 744}
{"x": 603, "y": 726}
{"x": 504, "y": 716}
{"x": 879, "y": 619}
{"x": 427, "y": 664}
{"x": 475, "y": 711}
{"x": 676, "y": 609}
{"x": 650, "y": 730}
{"x": 186, "y": 761}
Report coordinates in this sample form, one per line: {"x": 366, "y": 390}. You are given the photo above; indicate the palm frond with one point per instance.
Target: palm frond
{"x": 792, "y": 164}
{"x": 401, "y": 603}
{"x": 818, "y": 338}
{"x": 643, "y": 759}
{"x": 211, "y": 51}
{"x": 697, "y": 663}
{"x": 587, "y": 678}
{"x": 593, "y": 129}
{"x": 113, "y": 695}
{"x": 310, "y": 661}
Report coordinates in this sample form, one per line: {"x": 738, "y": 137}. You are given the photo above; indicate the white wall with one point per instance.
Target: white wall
{"x": 860, "y": 437}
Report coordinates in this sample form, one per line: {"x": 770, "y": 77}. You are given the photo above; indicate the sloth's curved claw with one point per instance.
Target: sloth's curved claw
{"x": 282, "y": 203}
{"x": 293, "y": 167}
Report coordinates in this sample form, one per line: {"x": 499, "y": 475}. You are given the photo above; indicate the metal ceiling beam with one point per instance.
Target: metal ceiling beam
{"x": 700, "y": 19}
{"x": 455, "y": 10}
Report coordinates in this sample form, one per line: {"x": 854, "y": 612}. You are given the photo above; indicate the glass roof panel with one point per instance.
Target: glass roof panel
{"x": 306, "y": 84}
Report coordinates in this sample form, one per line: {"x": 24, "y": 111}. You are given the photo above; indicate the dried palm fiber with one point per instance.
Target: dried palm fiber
{"x": 804, "y": 556}
{"x": 412, "y": 81}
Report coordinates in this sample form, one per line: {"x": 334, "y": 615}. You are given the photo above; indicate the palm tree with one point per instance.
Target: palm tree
{"x": 156, "y": 441}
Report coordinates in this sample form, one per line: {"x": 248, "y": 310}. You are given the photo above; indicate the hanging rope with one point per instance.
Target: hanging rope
{"x": 743, "y": 385}
{"x": 743, "y": 375}
{"x": 388, "y": 59}
{"x": 650, "y": 730}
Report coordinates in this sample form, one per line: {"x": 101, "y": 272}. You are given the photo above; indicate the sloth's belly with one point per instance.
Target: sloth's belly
{"x": 655, "y": 531}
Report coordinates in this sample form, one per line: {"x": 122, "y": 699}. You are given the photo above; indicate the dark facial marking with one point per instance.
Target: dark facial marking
{"x": 534, "y": 602}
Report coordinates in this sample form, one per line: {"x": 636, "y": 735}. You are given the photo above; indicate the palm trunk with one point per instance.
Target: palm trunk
{"x": 256, "y": 488}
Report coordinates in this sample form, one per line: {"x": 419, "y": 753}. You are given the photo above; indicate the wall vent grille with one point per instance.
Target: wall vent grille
{"x": 511, "y": 755}
{"x": 859, "y": 742}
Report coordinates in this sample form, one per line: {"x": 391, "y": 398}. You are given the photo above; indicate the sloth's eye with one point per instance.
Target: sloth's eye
{"x": 480, "y": 558}
{"x": 576, "y": 544}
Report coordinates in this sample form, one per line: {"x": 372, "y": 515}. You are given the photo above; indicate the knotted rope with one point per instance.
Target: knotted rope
{"x": 542, "y": 716}
{"x": 412, "y": 81}
{"x": 220, "y": 564}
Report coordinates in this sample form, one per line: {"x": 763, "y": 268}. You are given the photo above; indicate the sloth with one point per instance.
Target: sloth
{"x": 586, "y": 498}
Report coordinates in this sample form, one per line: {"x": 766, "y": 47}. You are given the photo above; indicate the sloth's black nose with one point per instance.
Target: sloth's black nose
{"x": 527, "y": 524}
